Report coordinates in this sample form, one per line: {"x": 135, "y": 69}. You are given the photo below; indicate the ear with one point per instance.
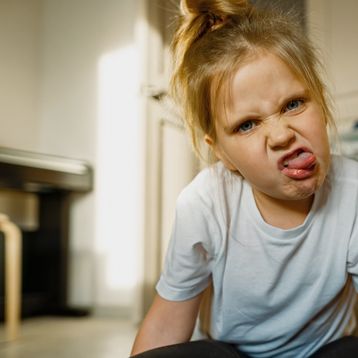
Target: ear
{"x": 219, "y": 153}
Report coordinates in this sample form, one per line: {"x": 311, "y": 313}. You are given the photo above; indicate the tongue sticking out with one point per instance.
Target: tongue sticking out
{"x": 303, "y": 160}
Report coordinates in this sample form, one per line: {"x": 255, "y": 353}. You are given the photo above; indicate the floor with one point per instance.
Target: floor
{"x": 70, "y": 338}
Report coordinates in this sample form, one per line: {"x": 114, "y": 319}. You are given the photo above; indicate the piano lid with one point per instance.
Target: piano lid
{"x": 37, "y": 172}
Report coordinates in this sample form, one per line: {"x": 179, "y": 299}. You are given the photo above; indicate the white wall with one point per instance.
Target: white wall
{"x": 19, "y": 66}
{"x": 89, "y": 94}
{"x": 72, "y": 84}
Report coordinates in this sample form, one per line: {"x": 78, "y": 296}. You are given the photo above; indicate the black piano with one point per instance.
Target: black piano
{"x": 45, "y": 262}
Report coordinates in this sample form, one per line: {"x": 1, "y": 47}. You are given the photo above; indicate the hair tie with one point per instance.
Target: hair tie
{"x": 215, "y": 21}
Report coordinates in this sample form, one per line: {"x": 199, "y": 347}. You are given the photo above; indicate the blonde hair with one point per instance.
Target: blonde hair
{"x": 215, "y": 37}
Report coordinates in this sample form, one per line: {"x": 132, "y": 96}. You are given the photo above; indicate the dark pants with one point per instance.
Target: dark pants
{"x": 346, "y": 347}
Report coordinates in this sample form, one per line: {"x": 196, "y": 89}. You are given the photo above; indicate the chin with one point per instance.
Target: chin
{"x": 304, "y": 189}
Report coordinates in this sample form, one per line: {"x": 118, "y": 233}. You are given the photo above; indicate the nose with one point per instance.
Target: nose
{"x": 279, "y": 133}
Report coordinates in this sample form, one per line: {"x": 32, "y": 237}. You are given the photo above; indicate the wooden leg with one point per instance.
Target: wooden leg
{"x": 12, "y": 236}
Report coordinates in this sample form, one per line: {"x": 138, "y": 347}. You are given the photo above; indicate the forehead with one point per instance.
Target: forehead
{"x": 268, "y": 67}
{"x": 265, "y": 79}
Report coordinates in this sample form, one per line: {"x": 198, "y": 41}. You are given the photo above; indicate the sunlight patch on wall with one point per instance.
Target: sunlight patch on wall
{"x": 118, "y": 172}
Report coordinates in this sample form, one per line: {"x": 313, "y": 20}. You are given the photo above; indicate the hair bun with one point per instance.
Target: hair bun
{"x": 217, "y": 8}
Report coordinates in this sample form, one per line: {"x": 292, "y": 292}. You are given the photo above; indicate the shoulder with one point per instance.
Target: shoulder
{"x": 343, "y": 183}
{"x": 204, "y": 207}
{"x": 345, "y": 170}
{"x": 212, "y": 187}
{"x": 211, "y": 199}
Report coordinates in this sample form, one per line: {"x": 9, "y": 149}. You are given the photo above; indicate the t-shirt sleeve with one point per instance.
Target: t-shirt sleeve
{"x": 190, "y": 254}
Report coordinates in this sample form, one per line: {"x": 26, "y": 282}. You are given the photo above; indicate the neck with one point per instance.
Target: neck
{"x": 284, "y": 214}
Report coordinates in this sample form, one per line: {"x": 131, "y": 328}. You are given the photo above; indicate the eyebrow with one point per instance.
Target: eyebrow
{"x": 247, "y": 117}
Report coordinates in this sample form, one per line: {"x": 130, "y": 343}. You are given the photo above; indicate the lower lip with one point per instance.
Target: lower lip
{"x": 298, "y": 174}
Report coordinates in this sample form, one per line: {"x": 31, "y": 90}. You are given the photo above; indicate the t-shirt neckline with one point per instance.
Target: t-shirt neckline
{"x": 274, "y": 231}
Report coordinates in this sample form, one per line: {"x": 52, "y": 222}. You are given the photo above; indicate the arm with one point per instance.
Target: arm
{"x": 167, "y": 322}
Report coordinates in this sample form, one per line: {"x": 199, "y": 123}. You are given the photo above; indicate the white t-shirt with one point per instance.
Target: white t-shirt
{"x": 277, "y": 293}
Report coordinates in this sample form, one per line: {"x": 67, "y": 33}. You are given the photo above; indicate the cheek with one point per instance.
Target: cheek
{"x": 239, "y": 152}
{"x": 320, "y": 135}
{"x": 317, "y": 122}
{"x": 243, "y": 156}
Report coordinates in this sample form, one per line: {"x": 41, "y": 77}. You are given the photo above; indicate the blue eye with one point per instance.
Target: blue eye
{"x": 294, "y": 104}
{"x": 246, "y": 126}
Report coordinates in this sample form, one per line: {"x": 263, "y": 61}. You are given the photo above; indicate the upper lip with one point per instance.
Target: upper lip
{"x": 282, "y": 160}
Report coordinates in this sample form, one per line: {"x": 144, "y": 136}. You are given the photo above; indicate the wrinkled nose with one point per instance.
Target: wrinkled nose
{"x": 279, "y": 134}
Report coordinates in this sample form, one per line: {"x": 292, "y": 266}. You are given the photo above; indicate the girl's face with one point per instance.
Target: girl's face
{"x": 274, "y": 132}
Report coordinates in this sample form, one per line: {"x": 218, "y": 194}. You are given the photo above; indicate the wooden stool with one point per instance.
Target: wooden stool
{"x": 12, "y": 239}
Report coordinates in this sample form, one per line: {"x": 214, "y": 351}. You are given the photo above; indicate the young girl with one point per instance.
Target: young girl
{"x": 272, "y": 227}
